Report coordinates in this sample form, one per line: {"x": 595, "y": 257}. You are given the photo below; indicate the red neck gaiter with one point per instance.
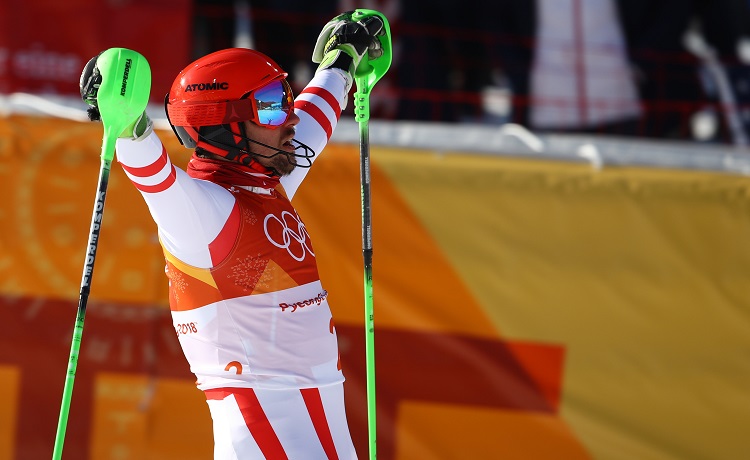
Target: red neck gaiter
{"x": 228, "y": 173}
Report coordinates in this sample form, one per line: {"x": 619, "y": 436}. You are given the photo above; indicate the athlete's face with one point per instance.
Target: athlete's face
{"x": 279, "y": 138}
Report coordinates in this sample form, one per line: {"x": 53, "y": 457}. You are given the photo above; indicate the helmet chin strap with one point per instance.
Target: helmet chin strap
{"x": 307, "y": 156}
{"x": 213, "y": 144}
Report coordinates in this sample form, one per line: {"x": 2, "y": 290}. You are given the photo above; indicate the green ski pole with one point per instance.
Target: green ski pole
{"x": 122, "y": 98}
{"x": 367, "y": 74}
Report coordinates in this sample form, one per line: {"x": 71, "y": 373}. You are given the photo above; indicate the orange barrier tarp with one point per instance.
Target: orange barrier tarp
{"x": 524, "y": 309}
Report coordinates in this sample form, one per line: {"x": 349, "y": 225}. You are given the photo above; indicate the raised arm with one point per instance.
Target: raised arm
{"x": 189, "y": 213}
{"x": 340, "y": 47}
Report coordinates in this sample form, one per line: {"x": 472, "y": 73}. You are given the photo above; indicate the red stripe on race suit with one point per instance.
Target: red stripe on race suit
{"x": 224, "y": 241}
{"x": 149, "y": 170}
{"x": 326, "y": 96}
{"x": 318, "y": 416}
{"x": 255, "y": 419}
{"x": 315, "y": 112}
{"x": 160, "y": 187}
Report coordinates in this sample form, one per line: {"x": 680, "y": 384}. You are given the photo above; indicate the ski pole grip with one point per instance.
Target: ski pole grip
{"x": 123, "y": 94}
{"x": 370, "y": 71}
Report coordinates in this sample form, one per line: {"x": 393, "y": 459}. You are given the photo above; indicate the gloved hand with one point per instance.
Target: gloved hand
{"x": 343, "y": 43}
{"x": 91, "y": 80}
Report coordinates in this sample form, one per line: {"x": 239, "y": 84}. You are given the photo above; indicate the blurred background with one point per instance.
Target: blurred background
{"x": 561, "y": 212}
{"x": 668, "y": 69}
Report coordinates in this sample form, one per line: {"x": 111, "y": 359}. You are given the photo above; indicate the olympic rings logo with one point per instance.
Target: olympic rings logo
{"x": 294, "y": 236}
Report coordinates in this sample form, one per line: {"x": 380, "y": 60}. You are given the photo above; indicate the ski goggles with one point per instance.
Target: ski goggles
{"x": 268, "y": 106}
{"x": 272, "y": 103}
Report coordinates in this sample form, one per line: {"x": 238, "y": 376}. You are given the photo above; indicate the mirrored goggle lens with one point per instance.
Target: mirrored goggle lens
{"x": 273, "y": 103}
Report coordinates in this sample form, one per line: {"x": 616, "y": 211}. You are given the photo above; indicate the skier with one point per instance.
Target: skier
{"x": 247, "y": 303}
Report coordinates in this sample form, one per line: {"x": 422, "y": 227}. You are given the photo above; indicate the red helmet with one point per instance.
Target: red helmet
{"x": 217, "y": 88}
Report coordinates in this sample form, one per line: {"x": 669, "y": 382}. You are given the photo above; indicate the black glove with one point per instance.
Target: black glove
{"x": 89, "y": 84}
{"x": 343, "y": 42}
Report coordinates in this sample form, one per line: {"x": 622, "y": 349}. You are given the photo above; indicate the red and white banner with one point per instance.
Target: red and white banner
{"x": 45, "y": 44}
